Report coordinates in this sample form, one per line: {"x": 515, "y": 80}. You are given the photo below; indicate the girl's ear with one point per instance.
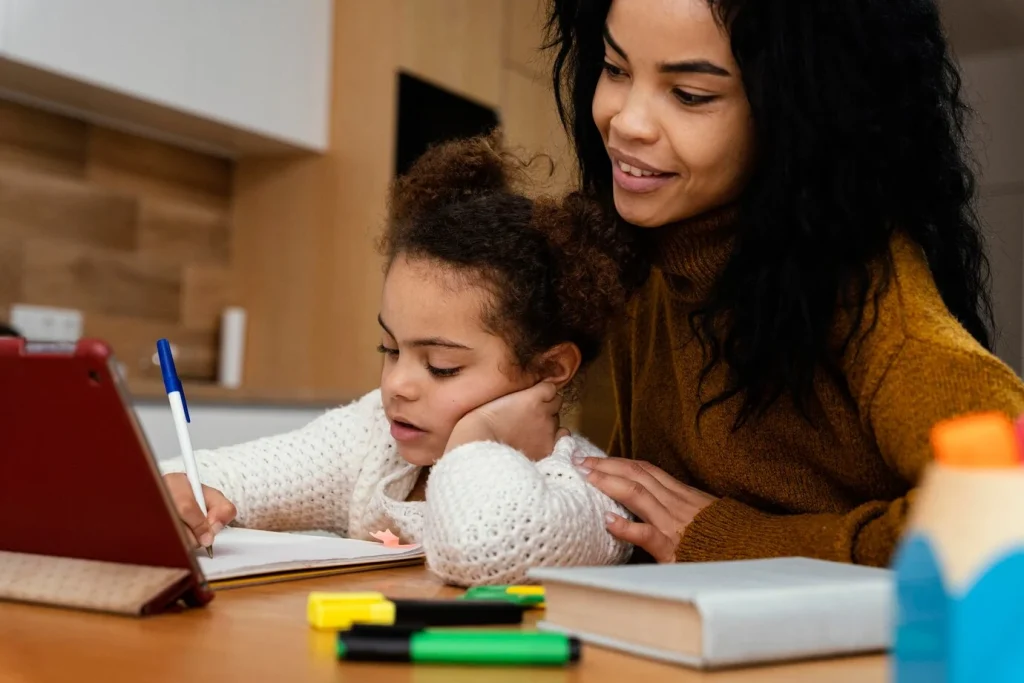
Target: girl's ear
{"x": 559, "y": 364}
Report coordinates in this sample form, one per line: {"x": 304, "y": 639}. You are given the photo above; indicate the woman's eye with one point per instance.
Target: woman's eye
{"x": 691, "y": 100}
{"x": 442, "y": 372}
{"x": 613, "y": 71}
{"x": 387, "y": 351}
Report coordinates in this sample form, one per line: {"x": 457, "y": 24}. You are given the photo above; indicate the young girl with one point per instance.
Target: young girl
{"x": 491, "y": 305}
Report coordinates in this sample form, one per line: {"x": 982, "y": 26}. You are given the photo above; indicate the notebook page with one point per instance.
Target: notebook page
{"x": 243, "y": 552}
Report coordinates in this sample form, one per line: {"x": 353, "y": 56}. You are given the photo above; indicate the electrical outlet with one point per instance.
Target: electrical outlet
{"x": 43, "y": 323}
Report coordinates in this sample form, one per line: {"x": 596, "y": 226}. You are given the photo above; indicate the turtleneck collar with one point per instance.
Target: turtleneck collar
{"x": 693, "y": 252}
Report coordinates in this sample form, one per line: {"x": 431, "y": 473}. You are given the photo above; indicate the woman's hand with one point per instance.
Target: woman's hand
{"x": 665, "y": 505}
{"x": 526, "y": 420}
{"x": 199, "y": 529}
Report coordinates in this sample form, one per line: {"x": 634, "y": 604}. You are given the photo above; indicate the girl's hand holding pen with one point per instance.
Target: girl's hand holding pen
{"x": 201, "y": 528}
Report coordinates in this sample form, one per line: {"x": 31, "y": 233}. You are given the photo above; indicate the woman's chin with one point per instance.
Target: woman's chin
{"x": 643, "y": 211}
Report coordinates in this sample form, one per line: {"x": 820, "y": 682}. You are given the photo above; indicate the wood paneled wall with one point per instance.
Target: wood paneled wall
{"x": 135, "y": 234}
{"x": 152, "y": 241}
{"x": 304, "y": 264}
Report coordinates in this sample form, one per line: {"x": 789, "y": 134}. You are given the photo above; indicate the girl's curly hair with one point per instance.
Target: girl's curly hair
{"x": 553, "y": 266}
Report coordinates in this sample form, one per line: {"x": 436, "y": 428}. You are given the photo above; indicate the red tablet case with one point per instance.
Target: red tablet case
{"x": 85, "y": 520}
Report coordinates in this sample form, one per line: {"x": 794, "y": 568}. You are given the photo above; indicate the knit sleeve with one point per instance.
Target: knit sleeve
{"x": 300, "y": 480}
{"x": 492, "y": 514}
{"x": 925, "y": 383}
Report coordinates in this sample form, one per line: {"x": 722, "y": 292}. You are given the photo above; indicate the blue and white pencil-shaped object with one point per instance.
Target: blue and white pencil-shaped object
{"x": 179, "y": 411}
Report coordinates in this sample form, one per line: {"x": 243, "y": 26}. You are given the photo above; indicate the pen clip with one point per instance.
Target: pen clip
{"x": 170, "y": 373}
{"x": 184, "y": 406}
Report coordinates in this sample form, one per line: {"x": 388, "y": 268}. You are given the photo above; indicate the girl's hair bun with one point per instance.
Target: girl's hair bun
{"x": 452, "y": 172}
{"x": 559, "y": 269}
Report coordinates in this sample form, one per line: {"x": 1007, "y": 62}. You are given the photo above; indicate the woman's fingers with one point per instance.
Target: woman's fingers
{"x": 631, "y": 470}
{"x": 659, "y": 546}
{"x": 634, "y": 468}
{"x": 635, "y": 497}
{"x": 664, "y": 478}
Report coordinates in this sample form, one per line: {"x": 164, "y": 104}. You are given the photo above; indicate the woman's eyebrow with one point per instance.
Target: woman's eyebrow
{"x": 687, "y": 66}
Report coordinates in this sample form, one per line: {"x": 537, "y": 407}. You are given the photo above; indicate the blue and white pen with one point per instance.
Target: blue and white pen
{"x": 179, "y": 410}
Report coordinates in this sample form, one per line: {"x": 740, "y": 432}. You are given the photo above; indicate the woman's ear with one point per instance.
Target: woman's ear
{"x": 560, "y": 363}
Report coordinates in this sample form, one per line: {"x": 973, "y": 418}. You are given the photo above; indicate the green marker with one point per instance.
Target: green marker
{"x": 457, "y": 646}
{"x": 524, "y": 596}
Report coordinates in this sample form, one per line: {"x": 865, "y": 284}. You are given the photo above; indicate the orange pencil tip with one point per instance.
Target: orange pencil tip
{"x": 977, "y": 441}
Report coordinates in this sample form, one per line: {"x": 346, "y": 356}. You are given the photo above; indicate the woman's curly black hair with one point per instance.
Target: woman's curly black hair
{"x": 553, "y": 266}
{"x": 860, "y": 131}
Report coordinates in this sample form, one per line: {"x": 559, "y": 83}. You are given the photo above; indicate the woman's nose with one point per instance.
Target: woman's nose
{"x": 635, "y": 121}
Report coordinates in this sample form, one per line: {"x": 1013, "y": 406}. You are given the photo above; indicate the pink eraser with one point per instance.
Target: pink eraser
{"x": 386, "y": 537}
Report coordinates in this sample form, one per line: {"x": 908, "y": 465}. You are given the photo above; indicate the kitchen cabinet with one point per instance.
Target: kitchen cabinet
{"x": 239, "y": 76}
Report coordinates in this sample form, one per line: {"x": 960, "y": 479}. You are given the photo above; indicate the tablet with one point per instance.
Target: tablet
{"x": 77, "y": 476}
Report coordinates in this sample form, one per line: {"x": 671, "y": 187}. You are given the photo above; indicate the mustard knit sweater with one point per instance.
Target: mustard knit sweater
{"x": 837, "y": 490}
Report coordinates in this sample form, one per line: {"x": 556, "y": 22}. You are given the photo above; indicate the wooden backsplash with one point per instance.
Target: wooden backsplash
{"x": 134, "y": 233}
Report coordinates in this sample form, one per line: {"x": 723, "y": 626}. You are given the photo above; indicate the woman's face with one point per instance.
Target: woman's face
{"x": 672, "y": 111}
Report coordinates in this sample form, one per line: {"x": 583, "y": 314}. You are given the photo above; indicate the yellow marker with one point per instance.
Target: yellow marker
{"x": 977, "y": 441}
{"x": 341, "y": 610}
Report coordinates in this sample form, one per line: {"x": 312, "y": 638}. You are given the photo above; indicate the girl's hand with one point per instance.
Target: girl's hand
{"x": 526, "y": 420}
{"x": 199, "y": 529}
{"x": 665, "y": 505}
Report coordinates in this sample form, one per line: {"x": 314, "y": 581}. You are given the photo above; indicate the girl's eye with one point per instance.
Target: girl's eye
{"x": 691, "y": 100}
{"x": 613, "y": 71}
{"x": 442, "y": 372}
{"x": 387, "y": 351}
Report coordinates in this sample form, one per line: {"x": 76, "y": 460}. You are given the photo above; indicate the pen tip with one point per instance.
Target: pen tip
{"x": 209, "y": 551}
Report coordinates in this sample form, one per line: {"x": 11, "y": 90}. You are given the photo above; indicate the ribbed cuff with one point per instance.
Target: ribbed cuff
{"x": 729, "y": 530}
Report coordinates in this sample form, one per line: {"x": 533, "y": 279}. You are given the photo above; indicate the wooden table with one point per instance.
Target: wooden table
{"x": 259, "y": 633}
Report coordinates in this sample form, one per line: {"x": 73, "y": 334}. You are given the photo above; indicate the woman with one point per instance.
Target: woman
{"x": 817, "y": 298}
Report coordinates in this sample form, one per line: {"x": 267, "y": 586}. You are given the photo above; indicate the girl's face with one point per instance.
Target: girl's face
{"x": 439, "y": 361}
{"x": 672, "y": 111}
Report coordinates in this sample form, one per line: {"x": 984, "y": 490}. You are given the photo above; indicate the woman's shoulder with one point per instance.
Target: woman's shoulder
{"x": 914, "y": 301}
{"x": 906, "y": 317}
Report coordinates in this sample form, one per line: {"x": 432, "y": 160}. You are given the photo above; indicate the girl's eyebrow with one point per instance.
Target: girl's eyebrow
{"x": 429, "y": 341}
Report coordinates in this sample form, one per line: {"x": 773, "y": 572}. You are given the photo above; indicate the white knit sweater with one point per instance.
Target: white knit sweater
{"x": 490, "y": 513}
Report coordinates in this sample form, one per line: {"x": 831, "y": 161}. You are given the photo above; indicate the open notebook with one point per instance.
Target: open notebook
{"x": 244, "y": 556}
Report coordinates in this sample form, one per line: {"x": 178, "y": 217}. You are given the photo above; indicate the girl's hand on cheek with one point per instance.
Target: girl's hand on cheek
{"x": 526, "y": 420}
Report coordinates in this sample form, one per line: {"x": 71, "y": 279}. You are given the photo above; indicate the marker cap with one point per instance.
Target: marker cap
{"x": 977, "y": 441}
{"x": 170, "y": 374}
{"x": 342, "y": 610}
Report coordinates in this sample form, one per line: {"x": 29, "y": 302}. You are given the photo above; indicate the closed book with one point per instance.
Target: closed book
{"x": 723, "y": 614}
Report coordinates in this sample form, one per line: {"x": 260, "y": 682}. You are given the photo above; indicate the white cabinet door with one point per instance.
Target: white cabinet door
{"x": 256, "y": 65}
